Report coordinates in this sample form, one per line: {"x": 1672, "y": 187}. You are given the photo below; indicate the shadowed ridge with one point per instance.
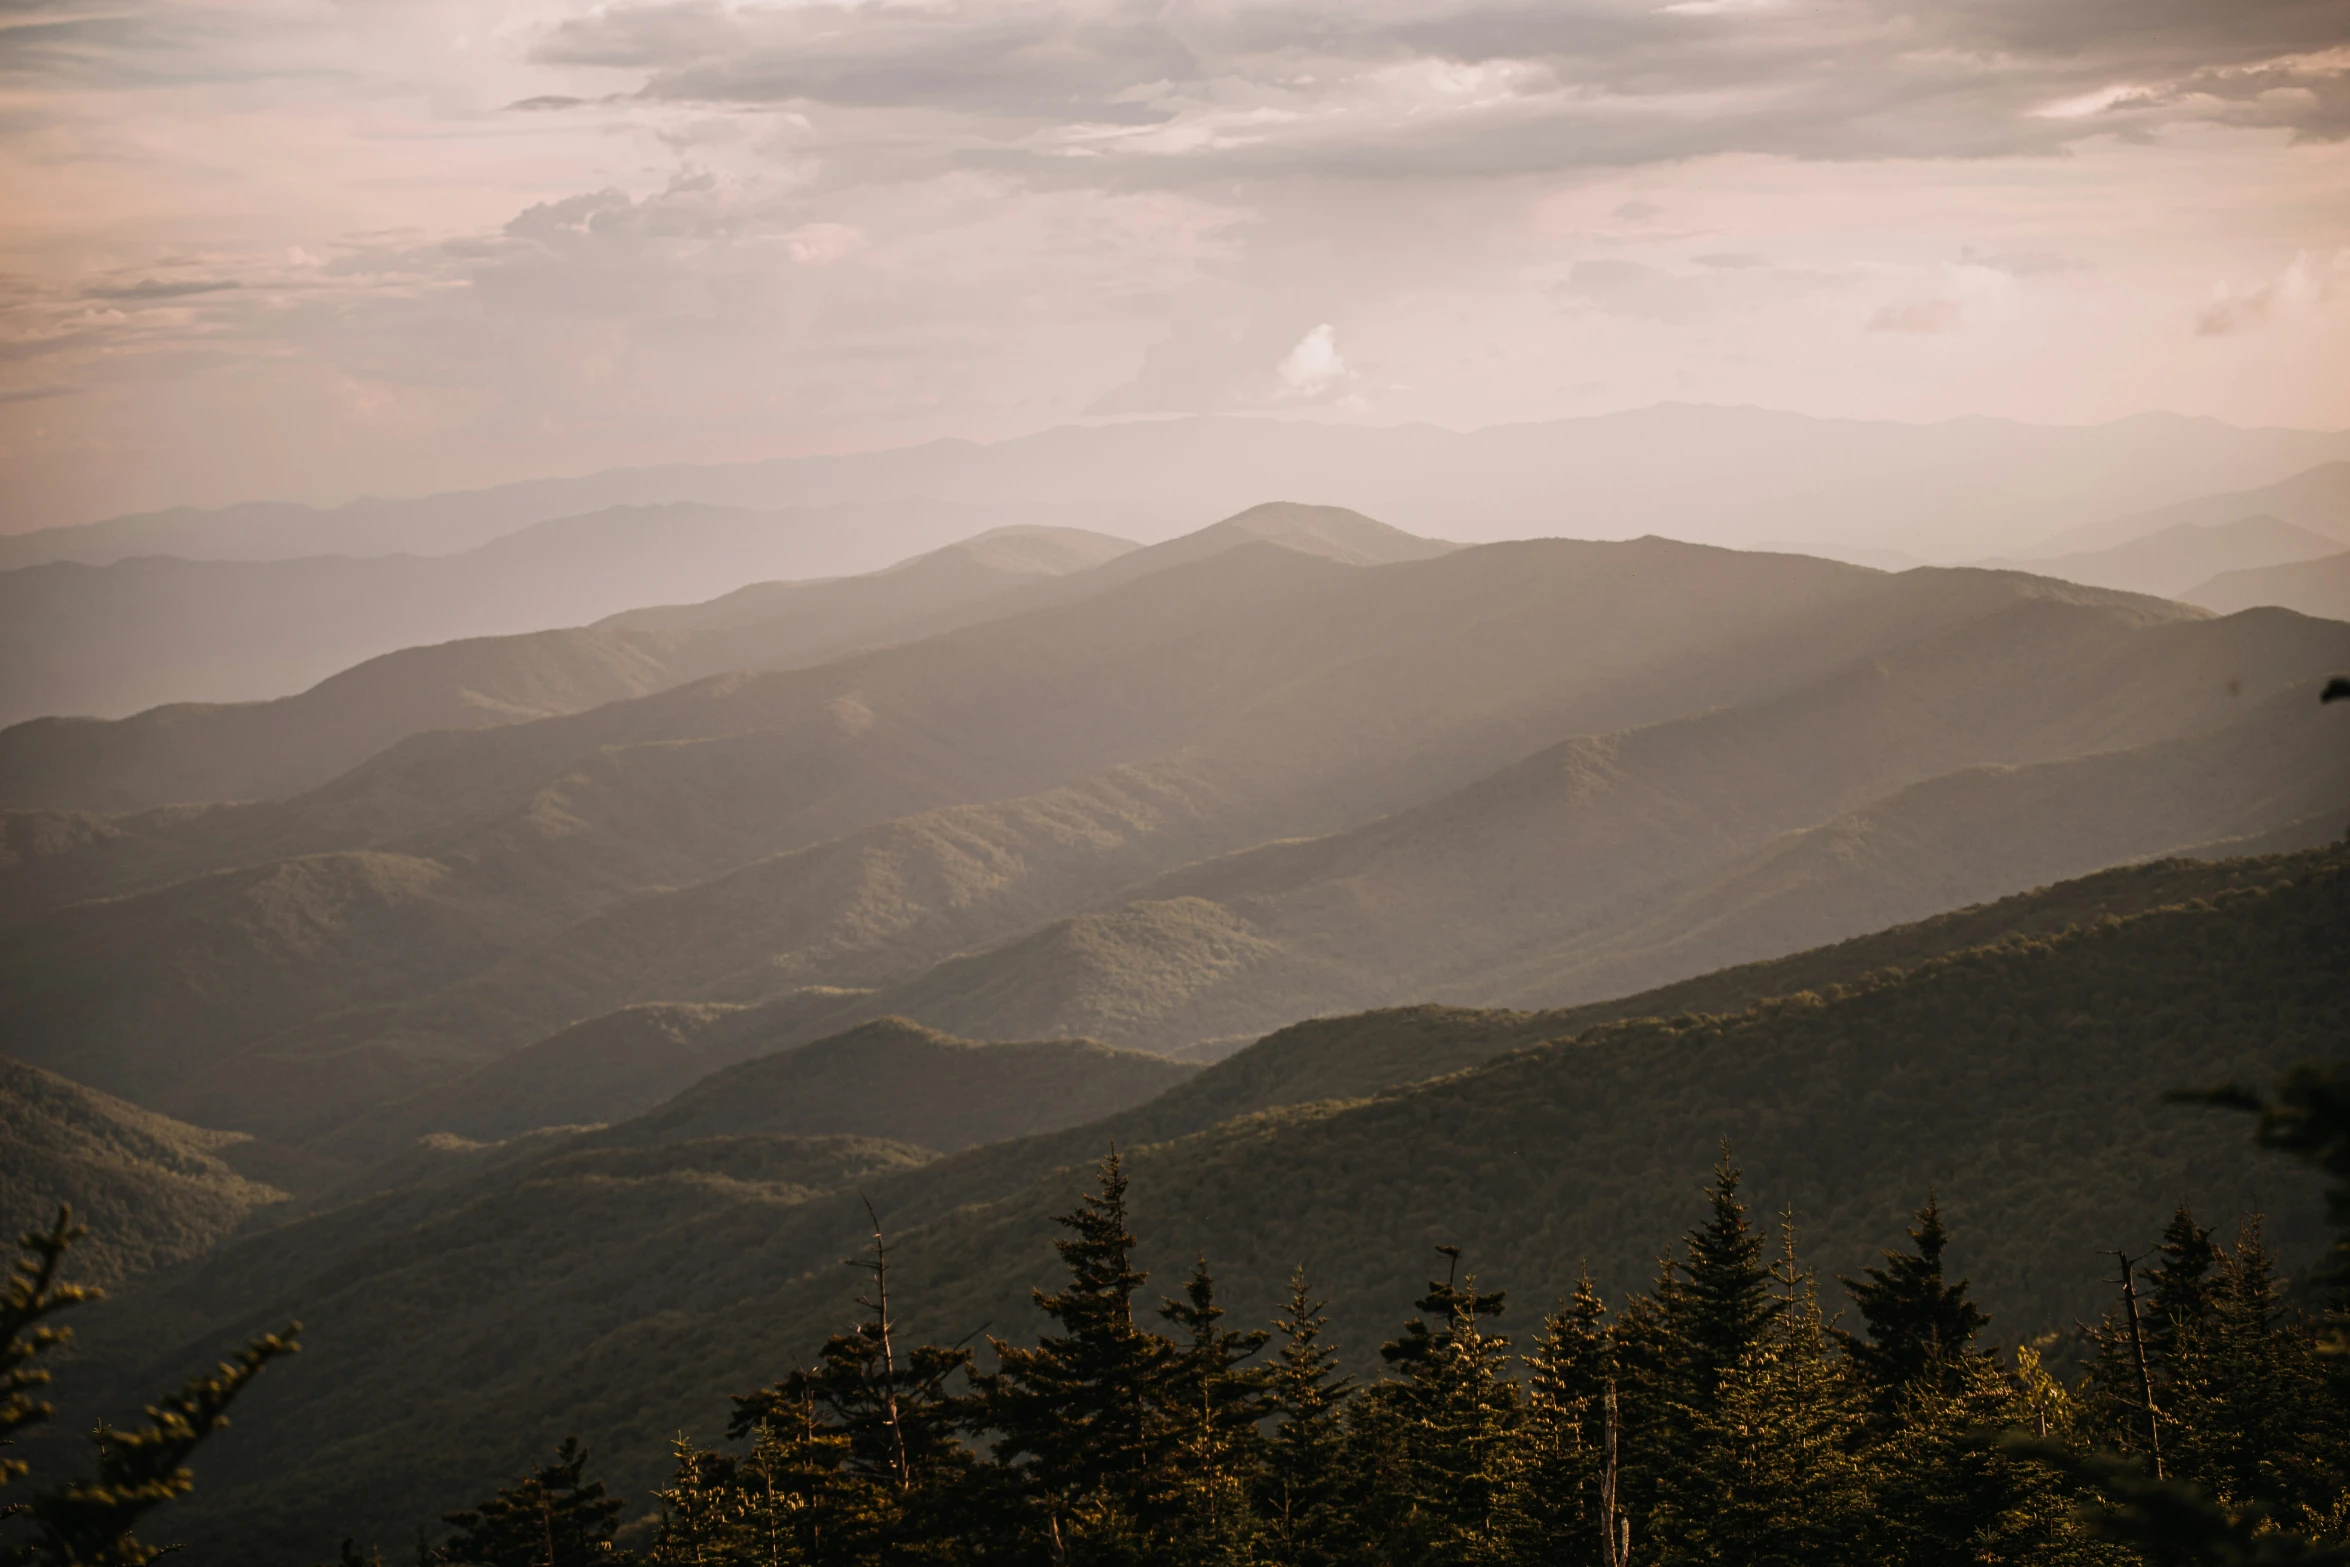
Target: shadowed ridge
{"x": 154, "y": 1191}
{"x": 896, "y": 1079}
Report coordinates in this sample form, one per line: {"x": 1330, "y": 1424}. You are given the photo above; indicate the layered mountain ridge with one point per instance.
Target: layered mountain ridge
{"x": 1297, "y": 763}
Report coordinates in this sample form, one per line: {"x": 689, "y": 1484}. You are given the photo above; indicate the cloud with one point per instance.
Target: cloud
{"x": 152, "y": 288}
{"x": 2306, "y": 282}
{"x": 1314, "y": 366}
{"x": 1490, "y": 86}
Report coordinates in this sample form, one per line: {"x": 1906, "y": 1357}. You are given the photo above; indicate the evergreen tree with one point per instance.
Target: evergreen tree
{"x": 1650, "y": 1395}
{"x": 90, "y": 1523}
{"x": 1767, "y": 1475}
{"x": 34, "y": 1296}
{"x": 1299, "y": 1491}
{"x": 2179, "y": 1288}
{"x": 2250, "y": 1416}
{"x": 866, "y": 1440}
{"x": 555, "y": 1517}
{"x": 1073, "y": 1416}
{"x": 702, "y": 1511}
{"x": 1723, "y": 1303}
{"x": 1551, "y": 1512}
{"x": 1445, "y": 1429}
{"x": 1212, "y": 1403}
{"x": 889, "y": 1400}
{"x": 1920, "y": 1329}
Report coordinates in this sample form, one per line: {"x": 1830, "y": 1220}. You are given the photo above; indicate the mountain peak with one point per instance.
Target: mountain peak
{"x": 1337, "y": 532}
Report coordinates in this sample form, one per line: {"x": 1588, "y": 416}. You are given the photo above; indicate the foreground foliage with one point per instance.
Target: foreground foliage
{"x": 90, "y": 1522}
{"x": 1718, "y": 1417}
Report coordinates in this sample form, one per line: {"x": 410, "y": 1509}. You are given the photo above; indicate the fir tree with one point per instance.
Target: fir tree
{"x": 1722, "y": 1303}
{"x": 2249, "y": 1412}
{"x": 702, "y": 1511}
{"x": 1073, "y": 1415}
{"x": 1920, "y": 1329}
{"x": 1446, "y": 1427}
{"x": 1298, "y": 1494}
{"x": 555, "y": 1517}
{"x": 1767, "y": 1475}
{"x": 1211, "y": 1404}
{"x": 1943, "y": 1497}
{"x": 877, "y": 1418}
{"x": 34, "y": 1296}
{"x": 1448, "y": 1302}
{"x": 2179, "y": 1288}
{"x": 1551, "y": 1512}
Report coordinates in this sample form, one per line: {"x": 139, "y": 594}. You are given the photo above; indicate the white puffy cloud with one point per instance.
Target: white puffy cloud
{"x": 1314, "y": 366}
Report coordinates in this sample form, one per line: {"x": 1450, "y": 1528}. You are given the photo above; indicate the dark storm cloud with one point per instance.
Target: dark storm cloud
{"x": 1424, "y": 86}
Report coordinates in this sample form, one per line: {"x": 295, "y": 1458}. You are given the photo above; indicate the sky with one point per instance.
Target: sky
{"x": 304, "y": 250}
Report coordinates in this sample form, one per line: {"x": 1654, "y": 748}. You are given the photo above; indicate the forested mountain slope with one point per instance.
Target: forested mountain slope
{"x": 891, "y": 1078}
{"x": 2021, "y": 1079}
{"x": 153, "y": 1191}
{"x": 2007, "y": 730}
{"x": 1253, "y": 694}
{"x": 1912, "y": 784}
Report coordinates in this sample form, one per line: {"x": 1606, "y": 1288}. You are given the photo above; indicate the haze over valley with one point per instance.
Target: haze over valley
{"x": 1056, "y": 785}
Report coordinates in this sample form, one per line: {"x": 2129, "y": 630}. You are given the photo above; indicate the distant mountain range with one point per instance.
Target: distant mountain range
{"x": 2179, "y": 559}
{"x": 249, "y": 604}
{"x": 1941, "y": 491}
{"x": 262, "y": 750}
{"x": 117, "y": 639}
{"x": 2316, "y": 499}
{"x": 2314, "y": 587}
{"x": 1299, "y": 762}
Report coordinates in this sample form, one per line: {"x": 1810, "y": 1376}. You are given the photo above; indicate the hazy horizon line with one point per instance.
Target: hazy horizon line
{"x": 1300, "y": 417}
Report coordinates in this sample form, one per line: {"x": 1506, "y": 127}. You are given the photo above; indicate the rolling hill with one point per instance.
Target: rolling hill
{"x": 2170, "y": 563}
{"x": 1258, "y": 692}
{"x": 2316, "y": 499}
{"x": 265, "y": 750}
{"x": 1596, "y": 867}
{"x": 1603, "y": 865}
{"x": 814, "y": 832}
{"x": 894, "y": 1079}
{"x": 2013, "y": 1061}
{"x": 2314, "y": 587}
{"x": 152, "y": 1191}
